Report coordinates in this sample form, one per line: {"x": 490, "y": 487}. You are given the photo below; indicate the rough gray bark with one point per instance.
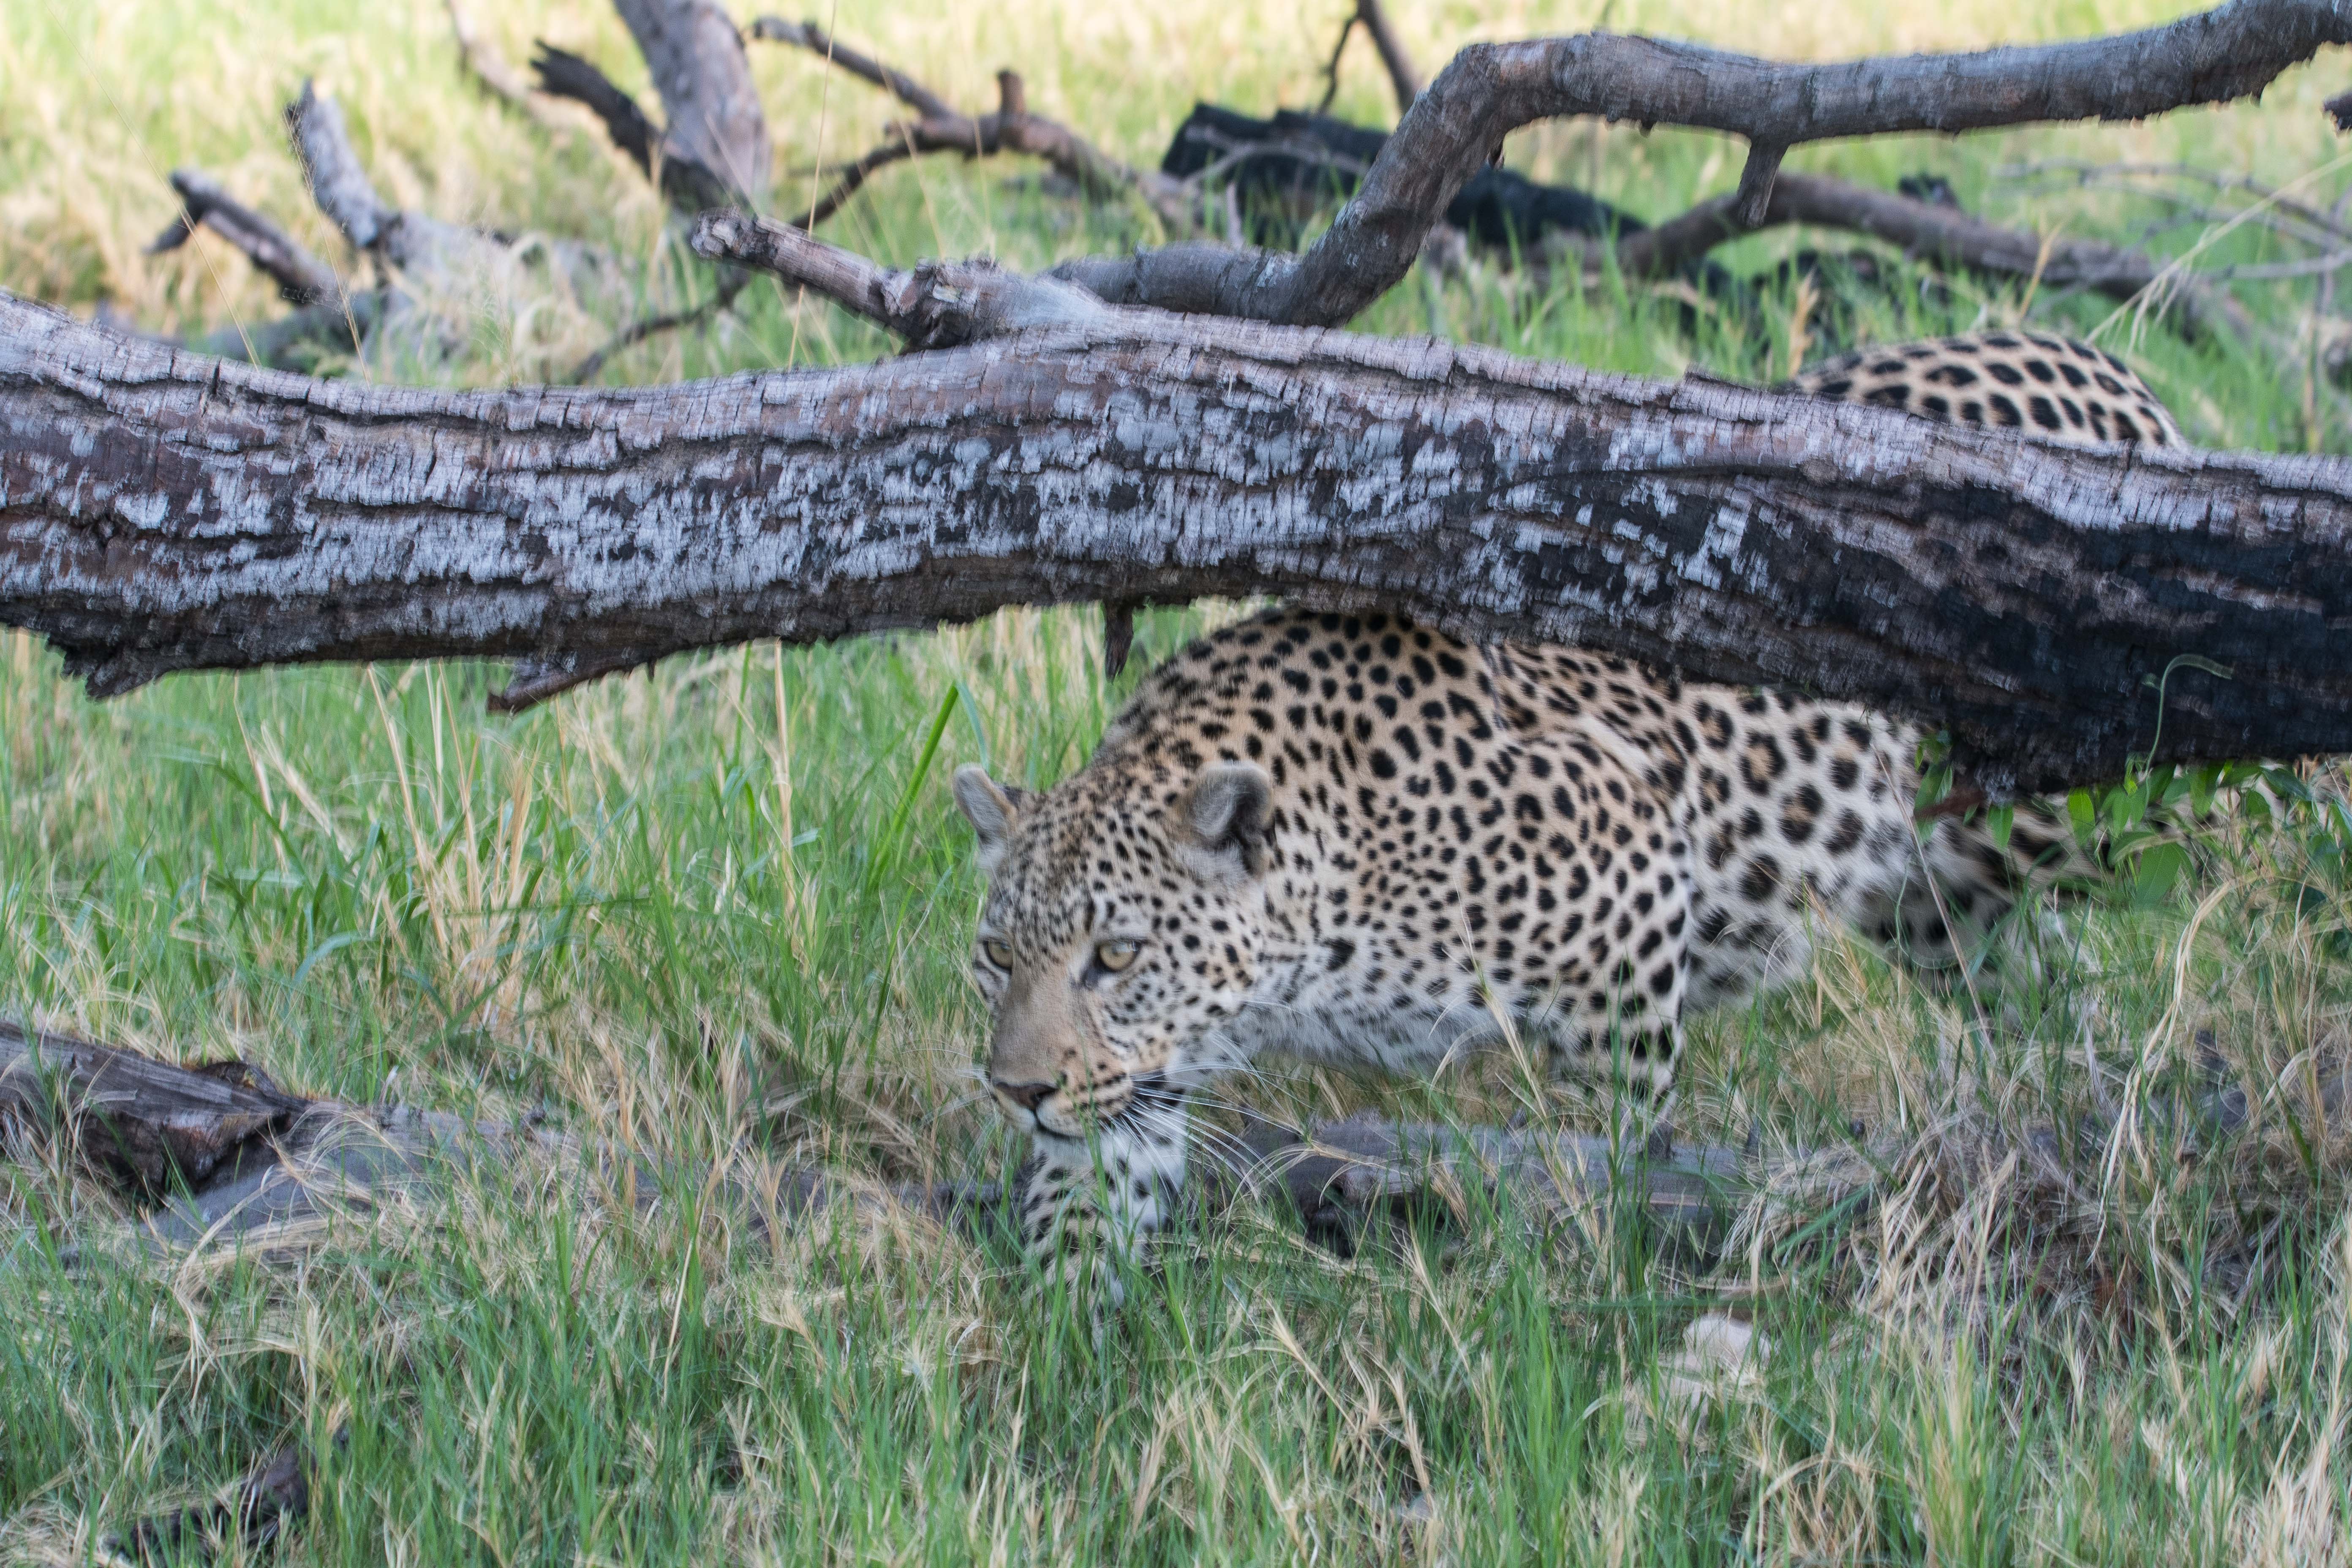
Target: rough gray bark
{"x": 160, "y": 512}
{"x": 1491, "y": 89}
{"x": 705, "y": 81}
{"x": 338, "y": 183}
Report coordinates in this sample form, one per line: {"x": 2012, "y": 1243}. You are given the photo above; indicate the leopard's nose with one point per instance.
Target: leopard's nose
{"x": 1027, "y": 1095}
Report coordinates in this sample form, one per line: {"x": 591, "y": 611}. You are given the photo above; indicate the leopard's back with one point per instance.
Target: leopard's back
{"x": 2048, "y": 388}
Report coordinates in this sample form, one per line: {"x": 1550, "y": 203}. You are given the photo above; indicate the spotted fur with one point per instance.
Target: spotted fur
{"x": 2053, "y": 389}
{"x": 1356, "y": 840}
{"x": 1359, "y": 841}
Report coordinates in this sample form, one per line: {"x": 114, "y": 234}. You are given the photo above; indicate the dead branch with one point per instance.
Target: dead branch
{"x": 562, "y": 74}
{"x": 929, "y": 105}
{"x": 689, "y": 186}
{"x": 1404, "y": 79}
{"x": 732, "y": 281}
{"x": 428, "y": 268}
{"x": 940, "y": 128}
{"x": 715, "y": 150}
{"x": 1286, "y": 167}
{"x": 1923, "y": 231}
{"x": 301, "y": 278}
{"x": 407, "y": 240}
{"x": 1491, "y": 89}
{"x": 246, "y": 1160}
{"x": 338, "y": 183}
{"x": 271, "y": 1180}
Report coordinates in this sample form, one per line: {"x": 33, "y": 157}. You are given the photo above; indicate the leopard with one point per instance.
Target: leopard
{"x": 1355, "y": 840}
{"x": 2052, "y": 389}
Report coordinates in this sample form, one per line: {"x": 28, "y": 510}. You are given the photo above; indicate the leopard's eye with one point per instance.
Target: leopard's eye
{"x": 1117, "y": 955}
{"x": 997, "y": 952}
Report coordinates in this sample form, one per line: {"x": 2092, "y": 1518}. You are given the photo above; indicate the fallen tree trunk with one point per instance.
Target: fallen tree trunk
{"x": 160, "y": 512}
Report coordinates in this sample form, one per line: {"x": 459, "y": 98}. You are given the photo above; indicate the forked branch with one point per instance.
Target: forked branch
{"x": 1492, "y": 90}
{"x": 1404, "y": 79}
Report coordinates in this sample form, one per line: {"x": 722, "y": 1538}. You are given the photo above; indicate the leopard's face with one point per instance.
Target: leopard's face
{"x": 1122, "y": 934}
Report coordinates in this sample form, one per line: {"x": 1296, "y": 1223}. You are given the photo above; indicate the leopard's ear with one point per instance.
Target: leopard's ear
{"x": 1227, "y": 814}
{"x": 993, "y": 808}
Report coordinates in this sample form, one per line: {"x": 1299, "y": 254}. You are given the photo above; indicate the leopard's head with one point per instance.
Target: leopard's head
{"x": 1122, "y": 933}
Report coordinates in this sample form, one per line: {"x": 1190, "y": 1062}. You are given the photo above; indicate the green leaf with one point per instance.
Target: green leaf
{"x": 2160, "y": 865}
{"x": 2203, "y": 783}
{"x": 2084, "y": 816}
{"x": 2125, "y": 807}
{"x": 1999, "y": 820}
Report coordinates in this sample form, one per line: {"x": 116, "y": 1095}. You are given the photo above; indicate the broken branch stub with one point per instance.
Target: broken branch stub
{"x": 716, "y": 128}
{"x": 161, "y": 511}
{"x": 301, "y": 278}
{"x": 145, "y": 1121}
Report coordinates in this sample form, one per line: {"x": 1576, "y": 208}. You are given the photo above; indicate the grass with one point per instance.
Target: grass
{"x": 717, "y": 913}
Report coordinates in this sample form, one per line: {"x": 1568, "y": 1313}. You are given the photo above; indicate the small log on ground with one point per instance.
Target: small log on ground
{"x": 1339, "y": 1175}
{"x": 262, "y": 1506}
{"x": 227, "y": 1158}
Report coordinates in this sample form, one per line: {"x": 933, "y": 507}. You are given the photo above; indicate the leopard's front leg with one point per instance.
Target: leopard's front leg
{"x": 1089, "y": 1205}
